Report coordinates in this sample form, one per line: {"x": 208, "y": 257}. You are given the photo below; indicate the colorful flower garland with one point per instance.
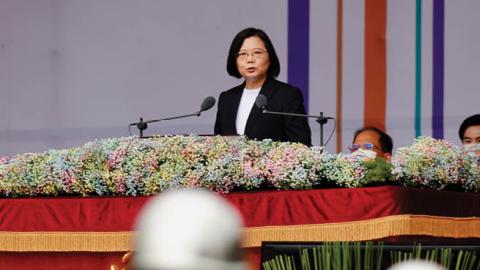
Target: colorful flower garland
{"x": 132, "y": 166}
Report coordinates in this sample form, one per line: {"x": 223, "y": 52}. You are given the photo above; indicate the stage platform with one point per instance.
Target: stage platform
{"x": 94, "y": 232}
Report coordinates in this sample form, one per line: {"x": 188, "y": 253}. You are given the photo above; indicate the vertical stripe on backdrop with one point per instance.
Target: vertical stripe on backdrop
{"x": 298, "y": 45}
{"x": 339, "y": 74}
{"x": 353, "y": 68}
{"x": 438, "y": 68}
{"x": 375, "y": 63}
{"x": 418, "y": 69}
{"x": 427, "y": 67}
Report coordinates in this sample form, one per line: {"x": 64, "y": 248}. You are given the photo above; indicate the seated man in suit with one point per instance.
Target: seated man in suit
{"x": 371, "y": 142}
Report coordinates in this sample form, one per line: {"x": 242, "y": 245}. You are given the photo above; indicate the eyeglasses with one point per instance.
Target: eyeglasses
{"x": 257, "y": 54}
{"x": 365, "y": 146}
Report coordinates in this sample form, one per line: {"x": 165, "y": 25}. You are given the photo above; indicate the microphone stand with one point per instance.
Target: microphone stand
{"x": 322, "y": 120}
{"x": 141, "y": 127}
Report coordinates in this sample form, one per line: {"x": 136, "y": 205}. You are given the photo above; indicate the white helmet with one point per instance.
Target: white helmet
{"x": 416, "y": 265}
{"x": 189, "y": 230}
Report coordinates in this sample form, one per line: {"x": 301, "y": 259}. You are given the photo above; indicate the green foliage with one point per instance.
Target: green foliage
{"x": 369, "y": 256}
{"x": 378, "y": 170}
{"x": 280, "y": 262}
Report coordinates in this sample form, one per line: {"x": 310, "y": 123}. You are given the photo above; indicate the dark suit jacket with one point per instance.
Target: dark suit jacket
{"x": 281, "y": 97}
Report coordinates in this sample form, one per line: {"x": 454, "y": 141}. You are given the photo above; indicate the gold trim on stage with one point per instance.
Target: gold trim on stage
{"x": 66, "y": 241}
{"x": 372, "y": 229}
{"x": 399, "y": 225}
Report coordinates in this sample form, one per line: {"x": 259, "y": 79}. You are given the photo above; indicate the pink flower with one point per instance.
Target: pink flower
{"x": 4, "y": 160}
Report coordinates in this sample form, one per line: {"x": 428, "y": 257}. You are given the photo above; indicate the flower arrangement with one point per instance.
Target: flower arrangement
{"x": 292, "y": 166}
{"x": 435, "y": 164}
{"x": 132, "y": 166}
{"x": 343, "y": 170}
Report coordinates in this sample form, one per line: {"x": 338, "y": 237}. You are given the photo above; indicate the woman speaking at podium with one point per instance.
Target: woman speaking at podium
{"x": 253, "y": 58}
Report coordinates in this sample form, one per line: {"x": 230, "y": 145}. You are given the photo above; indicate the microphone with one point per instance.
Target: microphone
{"x": 206, "y": 105}
{"x": 261, "y": 102}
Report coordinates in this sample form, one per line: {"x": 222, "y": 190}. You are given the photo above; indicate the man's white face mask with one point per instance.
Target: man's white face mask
{"x": 367, "y": 154}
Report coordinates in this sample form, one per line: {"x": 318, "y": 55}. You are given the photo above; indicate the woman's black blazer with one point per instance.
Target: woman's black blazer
{"x": 281, "y": 97}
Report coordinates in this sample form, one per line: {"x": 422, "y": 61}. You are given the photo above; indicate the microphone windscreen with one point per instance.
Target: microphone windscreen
{"x": 261, "y": 101}
{"x": 207, "y": 103}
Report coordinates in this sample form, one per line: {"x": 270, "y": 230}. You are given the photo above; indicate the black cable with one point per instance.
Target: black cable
{"x": 130, "y": 130}
{"x": 331, "y": 134}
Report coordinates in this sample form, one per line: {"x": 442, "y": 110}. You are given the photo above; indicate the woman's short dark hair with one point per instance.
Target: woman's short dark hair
{"x": 273, "y": 69}
{"x": 385, "y": 141}
{"x": 473, "y": 120}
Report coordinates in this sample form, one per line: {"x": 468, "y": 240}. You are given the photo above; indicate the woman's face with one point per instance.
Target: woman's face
{"x": 471, "y": 135}
{"x": 253, "y": 60}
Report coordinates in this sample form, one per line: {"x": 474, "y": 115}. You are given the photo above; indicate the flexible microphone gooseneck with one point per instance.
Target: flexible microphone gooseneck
{"x": 261, "y": 102}
{"x": 206, "y": 105}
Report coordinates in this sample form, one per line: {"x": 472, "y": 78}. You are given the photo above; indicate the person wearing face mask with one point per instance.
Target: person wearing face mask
{"x": 371, "y": 142}
{"x": 253, "y": 58}
{"x": 469, "y": 133}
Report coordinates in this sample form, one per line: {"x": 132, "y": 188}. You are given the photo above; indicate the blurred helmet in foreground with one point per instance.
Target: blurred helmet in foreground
{"x": 416, "y": 265}
{"x": 188, "y": 230}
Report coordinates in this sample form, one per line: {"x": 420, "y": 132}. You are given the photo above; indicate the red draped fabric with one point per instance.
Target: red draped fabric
{"x": 261, "y": 208}
{"x": 268, "y": 208}
{"x": 59, "y": 260}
